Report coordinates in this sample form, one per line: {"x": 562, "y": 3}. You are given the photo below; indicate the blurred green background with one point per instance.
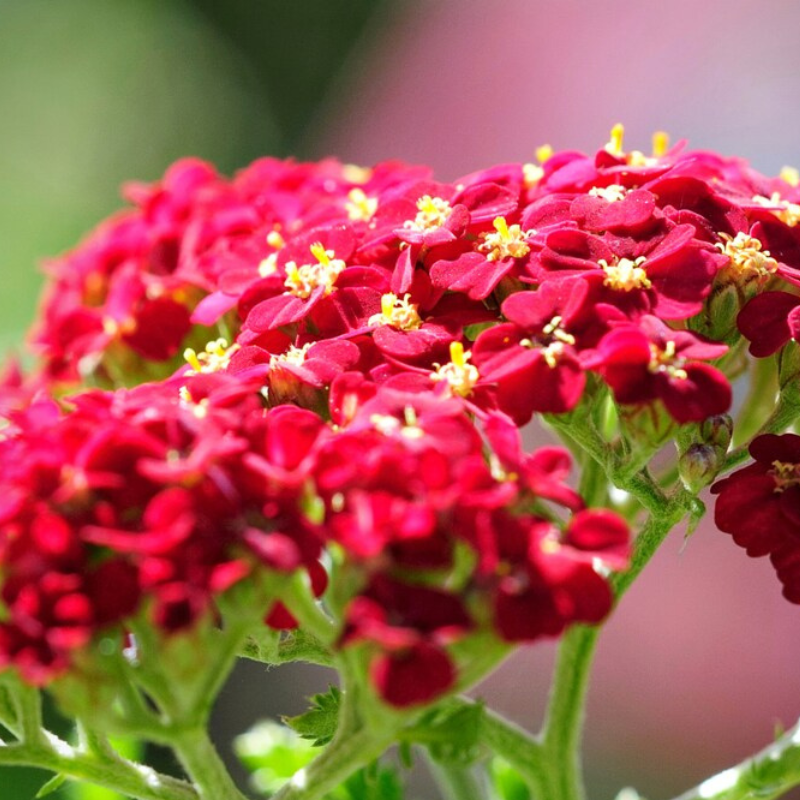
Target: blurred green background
{"x": 97, "y": 92}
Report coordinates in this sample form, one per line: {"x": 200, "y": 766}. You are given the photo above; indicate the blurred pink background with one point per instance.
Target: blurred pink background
{"x": 700, "y": 662}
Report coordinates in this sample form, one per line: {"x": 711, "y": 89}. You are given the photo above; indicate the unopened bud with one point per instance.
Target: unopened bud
{"x": 699, "y": 465}
{"x": 717, "y": 431}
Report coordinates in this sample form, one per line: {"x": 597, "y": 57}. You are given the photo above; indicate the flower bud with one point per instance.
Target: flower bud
{"x": 699, "y": 465}
{"x": 717, "y": 431}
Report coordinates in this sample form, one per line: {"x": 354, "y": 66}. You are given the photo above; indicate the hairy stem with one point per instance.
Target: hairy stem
{"x": 129, "y": 779}
{"x": 204, "y": 766}
{"x": 767, "y": 775}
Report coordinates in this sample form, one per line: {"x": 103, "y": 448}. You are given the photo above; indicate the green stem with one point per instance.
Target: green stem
{"x": 343, "y": 756}
{"x": 299, "y": 599}
{"x": 515, "y": 745}
{"x": 297, "y": 646}
{"x": 204, "y": 766}
{"x": 782, "y": 417}
{"x": 767, "y": 775}
{"x": 129, "y": 779}
{"x": 761, "y": 394}
{"x": 563, "y": 724}
{"x": 564, "y": 718}
{"x": 457, "y": 782}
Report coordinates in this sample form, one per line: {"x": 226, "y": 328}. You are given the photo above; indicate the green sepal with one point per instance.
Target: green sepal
{"x": 319, "y": 723}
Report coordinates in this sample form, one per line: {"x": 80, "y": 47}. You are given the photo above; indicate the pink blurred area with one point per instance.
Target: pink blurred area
{"x": 699, "y": 663}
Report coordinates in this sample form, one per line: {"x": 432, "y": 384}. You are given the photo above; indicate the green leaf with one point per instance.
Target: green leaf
{"x": 54, "y": 783}
{"x": 273, "y": 753}
{"x": 320, "y": 721}
{"x": 451, "y": 732}
{"x": 374, "y": 782}
{"x": 508, "y": 784}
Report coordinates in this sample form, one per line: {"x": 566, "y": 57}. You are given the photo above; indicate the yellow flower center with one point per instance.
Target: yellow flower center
{"x": 746, "y": 256}
{"x": 215, "y": 357}
{"x": 294, "y": 355}
{"x": 666, "y": 362}
{"x": 359, "y": 207}
{"x": 432, "y": 212}
{"x": 506, "y": 242}
{"x": 304, "y": 280}
{"x": 611, "y": 194}
{"x": 785, "y": 475}
{"x": 458, "y": 373}
{"x": 786, "y": 212}
{"x": 791, "y": 175}
{"x": 355, "y": 173}
{"x": 625, "y": 275}
{"x": 399, "y": 314}
{"x": 389, "y": 425}
{"x": 553, "y": 340}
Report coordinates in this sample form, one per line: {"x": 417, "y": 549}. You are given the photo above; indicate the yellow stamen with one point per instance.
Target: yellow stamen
{"x": 507, "y": 242}
{"x": 294, "y": 355}
{"x": 459, "y": 374}
{"x": 457, "y": 355}
{"x": 544, "y": 153}
{"x": 321, "y": 254}
{"x": 215, "y": 357}
{"x": 400, "y": 314}
{"x": 355, "y": 173}
{"x": 791, "y": 176}
{"x": 275, "y": 239}
{"x": 746, "y": 256}
{"x": 269, "y": 266}
{"x": 190, "y": 356}
{"x": 304, "y": 280}
{"x": 660, "y": 144}
{"x": 665, "y": 361}
{"x": 432, "y": 212}
{"x": 531, "y": 175}
{"x": 785, "y": 474}
{"x": 786, "y": 211}
{"x": 625, "y": 275}
{"x": 614, "y": 146}
{"x": 359, "y": 207}
{"x": 611, "y": 194}
{"x": 552, "y": 353}
{"x": 554, "y": 329}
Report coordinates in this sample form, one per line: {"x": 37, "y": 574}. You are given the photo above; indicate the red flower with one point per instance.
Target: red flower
{"x": 759, "y": 506}
{"x": 652, "y": 361}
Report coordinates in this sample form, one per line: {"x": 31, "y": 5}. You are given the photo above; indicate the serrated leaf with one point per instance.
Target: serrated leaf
{"x": 54, "y": 783}
{"x": 319, "y": 723}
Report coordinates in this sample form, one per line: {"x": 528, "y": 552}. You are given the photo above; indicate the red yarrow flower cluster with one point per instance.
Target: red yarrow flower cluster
{"x": 362, "y": 346}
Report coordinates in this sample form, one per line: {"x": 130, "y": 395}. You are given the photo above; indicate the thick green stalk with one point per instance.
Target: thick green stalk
{"x": 343, "y": 756}
{"x": 457, "y": 782}
{"x": 129, "y": 779}
{"x": 204, "y": 766}
{"x": 766, "y": 775}
{"x": 563, "y": 726}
